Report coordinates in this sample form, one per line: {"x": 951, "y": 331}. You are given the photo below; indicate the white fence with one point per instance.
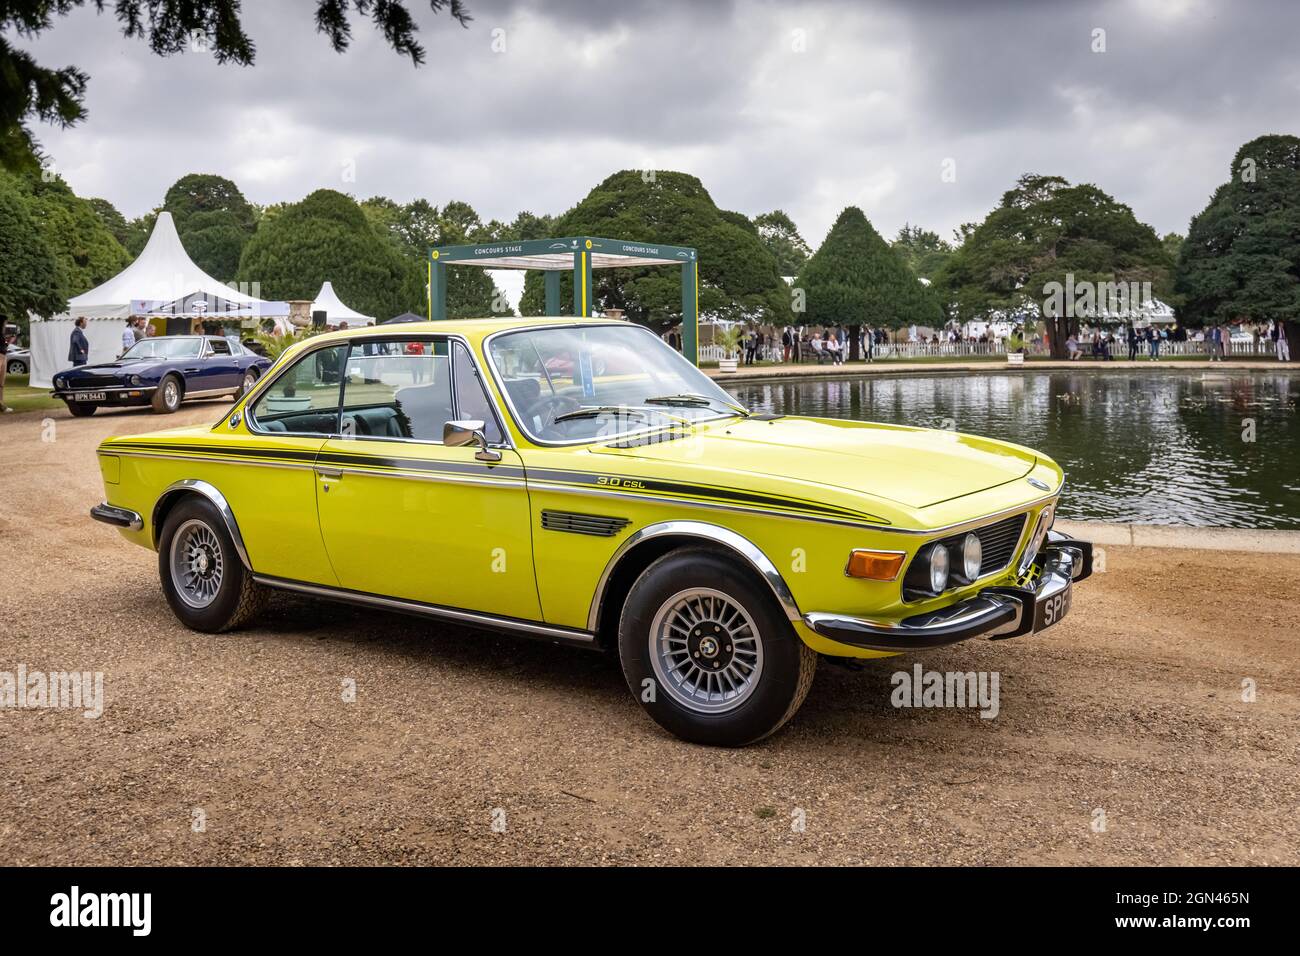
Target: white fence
{"x": 957, "y": 350}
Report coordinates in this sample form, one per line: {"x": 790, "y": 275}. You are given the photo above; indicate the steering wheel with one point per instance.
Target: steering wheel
{"x": 546, "y": 409}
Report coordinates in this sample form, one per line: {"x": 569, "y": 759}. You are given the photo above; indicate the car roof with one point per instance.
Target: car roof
{"x": 472, "y": 329}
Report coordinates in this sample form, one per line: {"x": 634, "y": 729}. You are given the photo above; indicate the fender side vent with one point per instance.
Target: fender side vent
{"x": 602, "y": 526}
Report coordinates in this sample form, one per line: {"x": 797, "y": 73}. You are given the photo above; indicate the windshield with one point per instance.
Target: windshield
{"x": 584, "y": 383}
{"x": 165, "y": 347}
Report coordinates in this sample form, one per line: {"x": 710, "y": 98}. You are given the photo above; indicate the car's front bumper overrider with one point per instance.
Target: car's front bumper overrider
{"x": 995, "y": 612}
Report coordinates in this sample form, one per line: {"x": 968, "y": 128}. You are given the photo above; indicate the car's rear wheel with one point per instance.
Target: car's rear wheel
{"x": 250, "y": 379}
{"x": 81, "y": 409}
{"x": 16, "y": 367}
{"x": 206, "y": 584}
{"x": 708, "y": 653}
{"x": 167, "y": 397}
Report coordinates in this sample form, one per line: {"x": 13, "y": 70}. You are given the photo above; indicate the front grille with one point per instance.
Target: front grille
{"x": 602, "y": 526}
{"x": 82, "y": 382}
{"x": 997, "y": 543}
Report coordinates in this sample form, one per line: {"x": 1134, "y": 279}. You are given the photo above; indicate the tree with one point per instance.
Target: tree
{"x": 28, "y": 271}
{"x": 779, "y": 233}
{"x": 213, "y": 220}
{"x": 1046, "y": 235}
{"x": 738, "y": 276}
{"x": 85, "y": 251}
{"x": 326, "y": 236}
{"x": 922, "y": 250}
{"x": 418, "y": 226}
{"x": 856, "y": 279}
{"x": 1241, "y": 258}
{"x": 29, "y": 91}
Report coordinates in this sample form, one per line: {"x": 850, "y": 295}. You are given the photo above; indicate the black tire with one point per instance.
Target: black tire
{"x": 81, "y": 409}
{"x": 237, "y": 599}
{"x": 787, "y": 664}
{"x": 246, "y": 386}
{"x": 167, "y": 397}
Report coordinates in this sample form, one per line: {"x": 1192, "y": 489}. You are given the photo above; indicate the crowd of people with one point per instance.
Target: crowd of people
{"x": 821, "y": 344}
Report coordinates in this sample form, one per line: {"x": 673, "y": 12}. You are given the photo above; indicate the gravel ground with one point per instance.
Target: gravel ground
{"x": 1132, "y": 708}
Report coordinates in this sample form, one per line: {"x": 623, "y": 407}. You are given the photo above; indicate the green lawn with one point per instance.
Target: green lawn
{"x": 21, "y": 397}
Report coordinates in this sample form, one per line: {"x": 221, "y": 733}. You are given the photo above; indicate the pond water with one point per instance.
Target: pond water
{"x": 1205, "y": 448}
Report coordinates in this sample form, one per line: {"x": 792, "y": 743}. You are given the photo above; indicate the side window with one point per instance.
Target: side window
{"x": 305, "y": 399}
{"x": 397, "y": 389}
{"x": 219, "y": 346}
{"x": 471, "y": 396}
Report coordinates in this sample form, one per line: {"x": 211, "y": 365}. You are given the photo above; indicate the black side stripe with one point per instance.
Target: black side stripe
{"x": 622, "y": 484}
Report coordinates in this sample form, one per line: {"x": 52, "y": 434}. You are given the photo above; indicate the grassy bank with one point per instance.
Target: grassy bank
{"x": 21, "y": 397}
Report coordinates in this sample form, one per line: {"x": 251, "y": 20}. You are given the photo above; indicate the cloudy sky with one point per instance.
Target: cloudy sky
{"x": 807, "y": 107}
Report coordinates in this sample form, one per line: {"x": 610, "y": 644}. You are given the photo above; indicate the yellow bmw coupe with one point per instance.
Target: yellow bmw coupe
{"x": 579, "y": 481}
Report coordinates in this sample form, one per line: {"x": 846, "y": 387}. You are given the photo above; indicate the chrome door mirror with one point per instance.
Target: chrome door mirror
{"x": 468, "y": 432}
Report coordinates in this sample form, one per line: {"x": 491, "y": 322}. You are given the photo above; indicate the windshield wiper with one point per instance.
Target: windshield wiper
{"x": 692, "y": 400}
{"x": 594, "y": 411}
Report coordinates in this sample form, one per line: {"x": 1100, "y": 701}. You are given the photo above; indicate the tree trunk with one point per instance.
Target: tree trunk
{"x": 1291, "y": 329}
{"x": 855, "y": 337}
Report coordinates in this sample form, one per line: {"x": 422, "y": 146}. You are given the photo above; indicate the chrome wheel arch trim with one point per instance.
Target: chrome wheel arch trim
{"x": 218, "y": 500}
{"x": 715, "y": 534}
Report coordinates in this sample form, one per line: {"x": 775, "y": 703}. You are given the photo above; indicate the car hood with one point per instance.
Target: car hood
{"x": 135, "y": 367}
{"x": 914, "y": 467}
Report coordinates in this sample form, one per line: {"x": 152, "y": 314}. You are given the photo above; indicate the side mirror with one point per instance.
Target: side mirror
{"x": 467, "y": 432}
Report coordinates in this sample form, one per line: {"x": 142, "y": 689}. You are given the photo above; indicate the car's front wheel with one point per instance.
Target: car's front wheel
{"x": 16, "y": 367}
{"x": 167, "y": 398}
{"x": 708, "y": 653}
{"x": 250, "y": 379}
{"x": 206, "y": 584}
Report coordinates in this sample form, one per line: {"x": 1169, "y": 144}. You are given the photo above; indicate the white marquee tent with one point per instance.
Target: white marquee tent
{"x": 327, "y": 301}
{"x": 162, "y": 282}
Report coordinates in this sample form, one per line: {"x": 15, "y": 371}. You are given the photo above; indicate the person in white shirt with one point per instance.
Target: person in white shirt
{"x": 128, "y": 335}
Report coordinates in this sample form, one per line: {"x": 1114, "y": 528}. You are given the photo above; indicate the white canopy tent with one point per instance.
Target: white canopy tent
{"x": 327, "y": 301}
{"x": 162, "y": 282}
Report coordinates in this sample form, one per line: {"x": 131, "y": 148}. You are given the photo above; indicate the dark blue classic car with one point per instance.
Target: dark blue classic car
{"x": 162, "y": 372}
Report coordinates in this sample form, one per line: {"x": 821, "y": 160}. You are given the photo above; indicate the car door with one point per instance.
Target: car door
{"x": 221, "y": 370}
{"x": 272, "y": 484}
{"x": 403, "y": 515}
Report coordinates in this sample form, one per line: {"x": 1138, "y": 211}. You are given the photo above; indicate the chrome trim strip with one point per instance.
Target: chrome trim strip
{"x": 64, "y": 392}
{"x": 710, "y": 532}
{"x": 219, "y": 502}
{"x": 428, "y": 476}
{"x": 118, "y": 517}
{"x": 532, "y": 628}
{"x": 209, "y": 458}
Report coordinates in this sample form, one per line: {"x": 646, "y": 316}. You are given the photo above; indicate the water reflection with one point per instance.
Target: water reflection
{"x": 1197, "y": 448}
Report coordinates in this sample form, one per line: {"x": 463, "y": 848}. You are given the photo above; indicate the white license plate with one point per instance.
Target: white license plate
{"x": 88, "y": 396}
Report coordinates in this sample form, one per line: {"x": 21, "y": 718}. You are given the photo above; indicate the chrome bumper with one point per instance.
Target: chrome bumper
{"x": 996, "y": 612}
{"x": 118, "y": 517}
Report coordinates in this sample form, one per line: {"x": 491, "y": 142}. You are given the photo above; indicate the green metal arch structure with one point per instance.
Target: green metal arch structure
{"x": 581, "y": 254}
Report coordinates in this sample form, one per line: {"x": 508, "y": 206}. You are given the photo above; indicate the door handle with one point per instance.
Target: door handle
{"x": 329, "y": 472}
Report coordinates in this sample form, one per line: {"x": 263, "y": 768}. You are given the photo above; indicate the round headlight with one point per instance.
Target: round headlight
{"x": 135, "y": 379}
{"x": 972, "y": 555}
{"x": 938, "y": 569}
